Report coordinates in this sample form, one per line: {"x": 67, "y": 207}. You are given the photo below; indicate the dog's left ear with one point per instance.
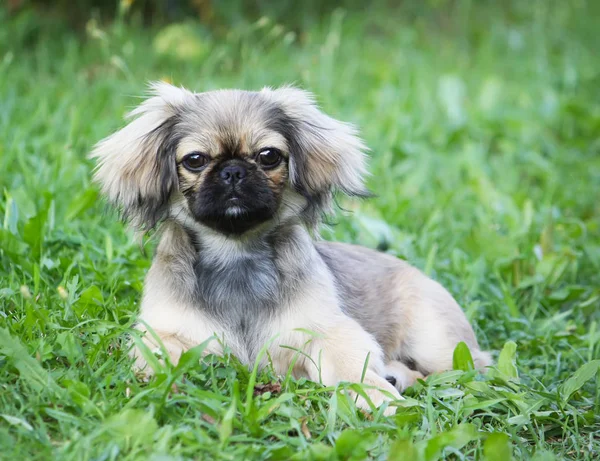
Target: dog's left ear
{"x": 136, "y": 165}
{"x": 325, "y": 154}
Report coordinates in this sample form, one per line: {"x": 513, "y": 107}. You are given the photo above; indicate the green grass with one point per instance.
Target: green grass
{"x": 483, "y": 123}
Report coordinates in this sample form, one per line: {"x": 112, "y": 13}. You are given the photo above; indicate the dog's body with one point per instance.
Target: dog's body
{"x": 236, "y": 186}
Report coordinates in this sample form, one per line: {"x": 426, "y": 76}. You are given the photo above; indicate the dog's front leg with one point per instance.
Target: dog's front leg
{"x": 157, "y": 342}
{"x": 347, "y": 353}
{"x": 173, "y": 338}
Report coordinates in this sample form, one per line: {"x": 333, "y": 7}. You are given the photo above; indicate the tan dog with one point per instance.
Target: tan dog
{"x": 237, "y": 179}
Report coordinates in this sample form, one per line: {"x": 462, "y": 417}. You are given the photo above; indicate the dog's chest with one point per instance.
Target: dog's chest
{"x": 241, "y": 295}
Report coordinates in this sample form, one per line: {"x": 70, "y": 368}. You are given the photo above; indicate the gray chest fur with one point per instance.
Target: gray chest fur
{"x": 242, "y": 294}
{"x": 246, "y": 287}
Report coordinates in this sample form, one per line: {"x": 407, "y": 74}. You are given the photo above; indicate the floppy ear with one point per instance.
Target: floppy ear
{"x": 325, "y": 154}
{"x": 136, "y": 165}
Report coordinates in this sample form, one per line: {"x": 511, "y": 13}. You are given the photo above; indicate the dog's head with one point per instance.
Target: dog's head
{"x": 230, "y": 160}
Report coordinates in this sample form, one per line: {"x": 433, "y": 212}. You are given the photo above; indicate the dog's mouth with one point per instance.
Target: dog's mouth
{"x": 235, "y": 220}
{"x": 234, "y": 207}
{"x": 234, "y": 216}
{"x": 233, "y": 210}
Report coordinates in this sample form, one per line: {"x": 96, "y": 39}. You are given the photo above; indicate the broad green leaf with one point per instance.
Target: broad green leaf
{"x": 11, "y": 214}
{"x": 406, "y": 416}
{"x": 130, "y": 426}
{"x": 11, "y": 244}
{"x": 91, "y": 295}
{"x": 29, "y": 368}
{"x": 544, "y": 455}
{"x": 69, "y": 346}
{"x": 266, "y": 410}
{"x": 507, "y": 361}
{"x": 332, "y": 412}
{"x": 81, "y": 203}
{"x": 456, "y": 438}
{"x": 318, "y": 452}
{"x": 33, "y": 233}
{"x": 62, "y": 416}
{"x": 249, "y": 404}
{"x": 579, "y": 378}
{"x": 451, "y": 92}
{"x": 353, "y": 444}
{"x": 404, "y": 450}
{"x": 226, "y": 426}
{"x": 14, "y": 421}
{"x": 282, "y": 453}
{"x": 191, "y": 358}
{"x": 497, "y": 447}
{"x": 482, "y": 404}
{"x": 462, "y": 359}
{"x": 80, "y": 395}
{"x": 518, "y": 420}
{"x": 449, "y": 393}
{"x": 444, "y": 377}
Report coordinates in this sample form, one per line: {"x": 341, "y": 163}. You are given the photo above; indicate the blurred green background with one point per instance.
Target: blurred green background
{"x": 483, "y": 120}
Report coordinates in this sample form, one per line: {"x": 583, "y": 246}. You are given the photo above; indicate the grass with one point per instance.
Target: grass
{"x": 483, "y": 122}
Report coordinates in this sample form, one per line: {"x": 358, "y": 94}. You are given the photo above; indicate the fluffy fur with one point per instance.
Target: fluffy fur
{"x": 235, "y": 258}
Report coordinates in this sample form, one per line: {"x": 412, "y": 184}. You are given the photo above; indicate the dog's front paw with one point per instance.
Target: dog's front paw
{"x": 170, "y": 347}
{"x": 142, "y": 369}
{"x": 379, "y": 393}
{"x": 377, "y": 399}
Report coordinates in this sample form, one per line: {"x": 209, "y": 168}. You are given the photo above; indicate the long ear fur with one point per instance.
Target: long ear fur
{"x": 326, "y": 154}
{"x": 136, "y": 166}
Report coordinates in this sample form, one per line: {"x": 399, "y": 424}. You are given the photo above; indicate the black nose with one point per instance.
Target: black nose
{"x": 233, "y": 174}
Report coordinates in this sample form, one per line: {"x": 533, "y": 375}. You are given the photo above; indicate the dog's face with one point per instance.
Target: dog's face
{"x": 232, "y": 161}
{"x": 229, "y": 160}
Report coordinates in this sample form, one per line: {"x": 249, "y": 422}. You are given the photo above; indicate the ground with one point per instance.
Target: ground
{"x": 483, "y": 125}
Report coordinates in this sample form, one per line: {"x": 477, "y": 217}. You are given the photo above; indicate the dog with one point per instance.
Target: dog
{"x": 236, "y": 183}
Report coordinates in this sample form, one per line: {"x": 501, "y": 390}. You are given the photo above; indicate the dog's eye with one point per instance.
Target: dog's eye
{"x": 269, "y": 158}
{"x": 194, "y": 161}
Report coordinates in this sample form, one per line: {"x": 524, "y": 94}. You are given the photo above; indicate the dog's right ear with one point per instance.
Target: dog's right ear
{"x": 136, "y": 165}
